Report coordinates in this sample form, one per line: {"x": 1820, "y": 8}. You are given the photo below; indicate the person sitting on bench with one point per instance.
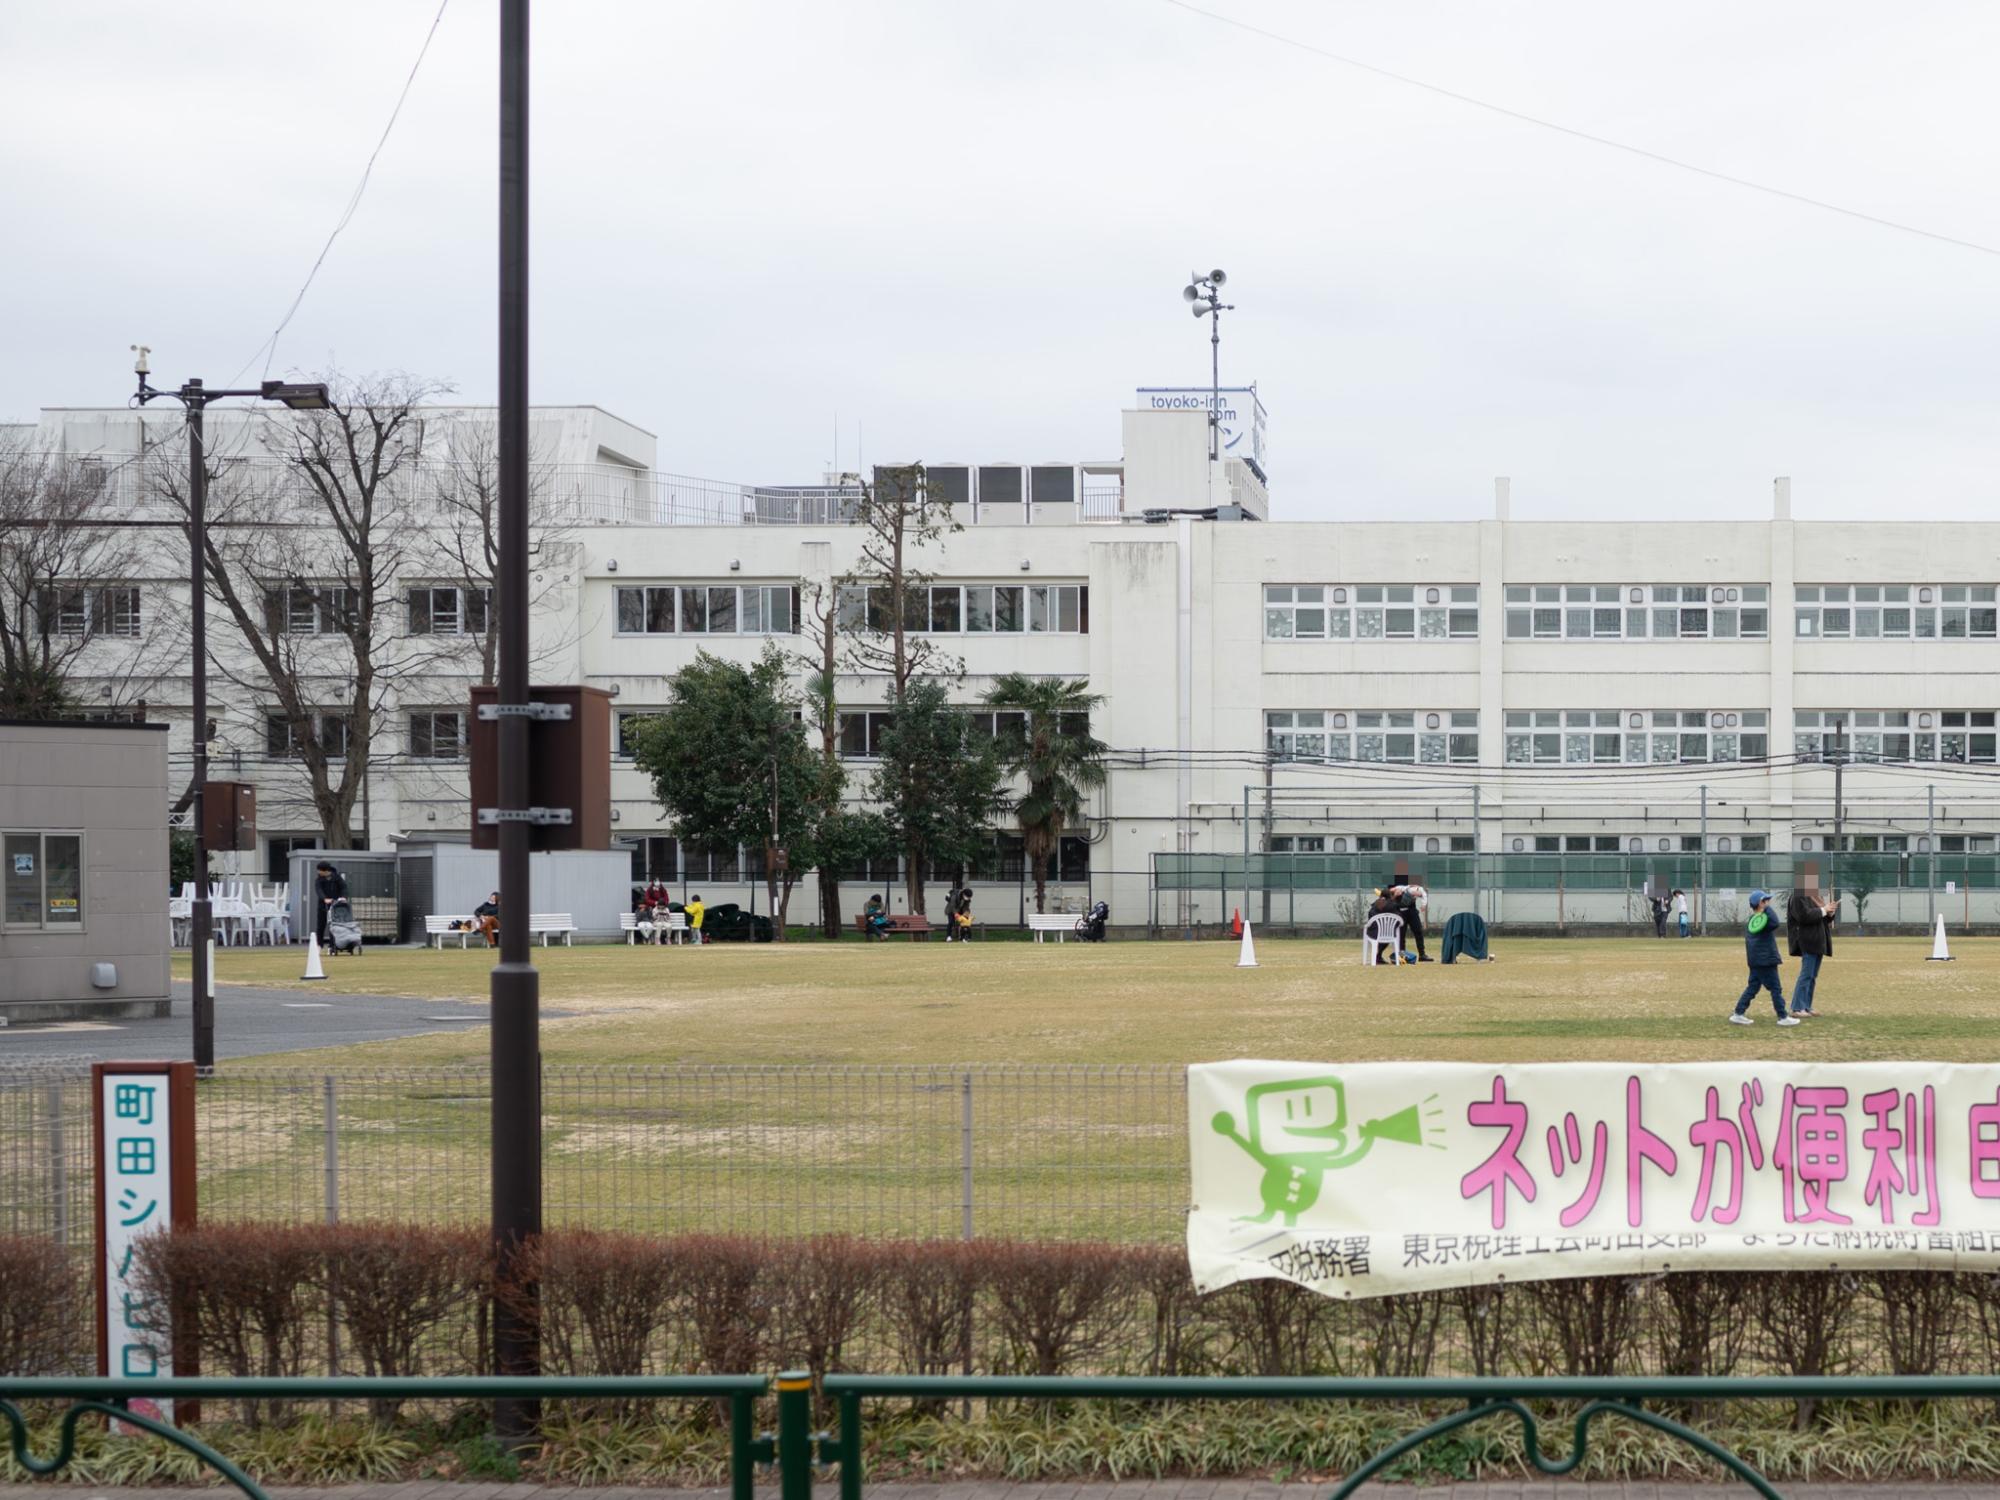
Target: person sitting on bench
{"x": 486, "y": 917}
{"x": 878, "y": 919}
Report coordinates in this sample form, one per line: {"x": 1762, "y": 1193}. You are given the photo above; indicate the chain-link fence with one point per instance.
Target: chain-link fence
{"x": 1057, "y": 1151}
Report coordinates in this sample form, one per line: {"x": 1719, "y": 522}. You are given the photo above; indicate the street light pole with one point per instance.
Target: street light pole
{"x": 201, "y": 926}
{"x": 195, "y": 397}
{"x": 515, "y": 986}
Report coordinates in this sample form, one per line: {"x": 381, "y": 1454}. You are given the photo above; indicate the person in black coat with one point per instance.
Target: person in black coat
{"x": 1809, "y": 934}
{"x": 329, "y": 886}
{"x": 1412, "y": 913}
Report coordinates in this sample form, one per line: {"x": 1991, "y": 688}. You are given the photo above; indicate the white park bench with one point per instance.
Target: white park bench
{"x": 1061, "y": 923}
{"x": 437, "y": 929}
{"x": 548, "y": 924}
{"x": 673, "y": 924}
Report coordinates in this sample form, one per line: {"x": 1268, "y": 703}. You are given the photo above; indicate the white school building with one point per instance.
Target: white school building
{"x": 1537, "y": 717}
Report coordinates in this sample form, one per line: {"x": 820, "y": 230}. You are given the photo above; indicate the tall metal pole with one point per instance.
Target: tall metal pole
{"x": 1930, "y": 845}
{"x": 1266, "y": 907}
{"x": 1839, "y": 759}
{"x": 516, "y": 1022}
{"x": 1215, "y": 383}
{"x": 201, "y": 936}
{"x": 1701, "y": 886}
{"x": 1475, "y": 849}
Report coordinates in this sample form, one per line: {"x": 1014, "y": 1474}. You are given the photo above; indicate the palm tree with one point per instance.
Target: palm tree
{"x": 1050, "y": 747}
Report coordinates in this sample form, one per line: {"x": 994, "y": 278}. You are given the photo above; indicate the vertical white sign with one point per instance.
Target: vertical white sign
{"x": 136, "y": 1196}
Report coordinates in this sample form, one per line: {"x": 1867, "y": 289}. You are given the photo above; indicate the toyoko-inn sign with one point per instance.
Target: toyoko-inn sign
{"x": 1363, "y": 1179}
{"x": 1242, "y": 414}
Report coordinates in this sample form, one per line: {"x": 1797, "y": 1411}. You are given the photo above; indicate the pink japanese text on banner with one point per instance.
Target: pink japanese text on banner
{"x": 1364, "y": 1179}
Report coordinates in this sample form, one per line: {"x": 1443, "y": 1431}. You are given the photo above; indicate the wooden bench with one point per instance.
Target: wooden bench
{"x": 548, "y": 924}
{"x": 1061, "y": 923}
{"x": 437, "y": 929}
{"x": 909, "y": 923}
{"x": 674, "y": 924}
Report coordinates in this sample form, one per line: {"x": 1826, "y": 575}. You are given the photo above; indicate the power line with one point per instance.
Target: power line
{"x": 269, "y": 348}
{"x": 1581, "y": 135}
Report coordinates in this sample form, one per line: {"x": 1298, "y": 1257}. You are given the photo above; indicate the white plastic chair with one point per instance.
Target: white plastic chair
{"x": 1383, "y": 930}
{"x": 232, "y": 921}
{"x": 180, "y": 920}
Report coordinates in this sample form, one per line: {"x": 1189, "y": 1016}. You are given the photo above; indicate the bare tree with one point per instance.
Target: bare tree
{"x": 463, "y": 484}
{"x": 884, "y": 605}
{"x": 821, "y": 610}
{"x": 79, "y": 633}
{"x": 304, "y": 557}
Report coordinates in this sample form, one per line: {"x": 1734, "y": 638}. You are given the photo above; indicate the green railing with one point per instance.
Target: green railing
{"x": 112, "y": 1398}
{"x": 1479, "y": 1398}
{"x": 798, "y": 1450}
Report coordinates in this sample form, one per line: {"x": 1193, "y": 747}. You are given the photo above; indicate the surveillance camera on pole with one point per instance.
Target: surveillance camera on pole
{"x": 1203, "y": 294}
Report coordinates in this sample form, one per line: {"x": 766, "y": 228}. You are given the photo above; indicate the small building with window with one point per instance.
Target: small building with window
{"x": 83, "y": 870}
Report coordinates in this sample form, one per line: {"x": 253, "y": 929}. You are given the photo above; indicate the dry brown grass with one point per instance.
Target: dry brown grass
{"x": 1633, "y": 1000}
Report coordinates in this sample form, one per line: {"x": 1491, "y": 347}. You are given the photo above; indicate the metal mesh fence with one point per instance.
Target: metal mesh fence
{"x": 1073, "y": 1152}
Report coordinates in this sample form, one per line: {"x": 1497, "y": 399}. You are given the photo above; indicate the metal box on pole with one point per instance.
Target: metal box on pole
{"x": 569, "y": 768}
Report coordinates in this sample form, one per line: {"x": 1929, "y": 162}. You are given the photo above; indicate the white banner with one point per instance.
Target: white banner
{"x": 1364, "y": 1179}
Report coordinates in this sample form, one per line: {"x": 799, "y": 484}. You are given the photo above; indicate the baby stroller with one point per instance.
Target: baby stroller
{"x": 343, "y": 933}
{"x": 1090, "y": 926}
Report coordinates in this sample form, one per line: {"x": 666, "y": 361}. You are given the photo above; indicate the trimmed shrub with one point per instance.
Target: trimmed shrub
{"x": 251, "y": 1295}
{"x": 396, "y": 1289}
{"x": 41, "y": 1289}
{"x": 825, "y": 1290}
{"x": 1055, "y": 1305}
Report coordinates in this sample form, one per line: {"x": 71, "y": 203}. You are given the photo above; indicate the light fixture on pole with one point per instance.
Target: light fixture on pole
{"x": 195, "y": 397}
{"x": 1203, "y": 293}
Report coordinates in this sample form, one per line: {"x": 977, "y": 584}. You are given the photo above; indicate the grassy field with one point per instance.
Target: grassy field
{"x": 717, "y": 1133}
{"x": 1626, "y": 999}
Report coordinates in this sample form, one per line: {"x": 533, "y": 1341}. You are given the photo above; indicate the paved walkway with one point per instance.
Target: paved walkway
{"x": 1149, "y": 1489}
{"x": 249, "y": 1022}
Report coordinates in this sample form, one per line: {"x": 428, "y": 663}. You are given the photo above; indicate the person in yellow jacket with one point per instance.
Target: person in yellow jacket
{"x": 696, "y": 909}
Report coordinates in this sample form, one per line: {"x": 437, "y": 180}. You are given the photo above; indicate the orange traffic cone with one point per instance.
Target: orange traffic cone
{"x": 1236, "y": 922}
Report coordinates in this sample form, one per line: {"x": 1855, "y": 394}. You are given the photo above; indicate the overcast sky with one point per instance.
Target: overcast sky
{"x": 964, "y": 230}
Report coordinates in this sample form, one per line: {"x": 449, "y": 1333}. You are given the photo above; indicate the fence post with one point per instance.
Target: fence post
{"x": 795, "y": 1444}
{"x": 332, "y": 1156}
{"x": 965, "y": 1155}
{"x": 58, "y": 1164}
{"x": 332, "y": 1217}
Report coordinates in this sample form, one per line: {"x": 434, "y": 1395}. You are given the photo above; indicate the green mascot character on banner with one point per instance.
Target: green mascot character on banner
{"x": 1298, "y": 1133}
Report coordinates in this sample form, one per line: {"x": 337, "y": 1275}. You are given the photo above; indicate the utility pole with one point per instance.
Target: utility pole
{"x": 515, "y": 987}
{"x": 1266, "y": 917}
{"x": 1838, "y": 759}
{"x": 1701, "y": 885}
{"x": 1930, "y": 845}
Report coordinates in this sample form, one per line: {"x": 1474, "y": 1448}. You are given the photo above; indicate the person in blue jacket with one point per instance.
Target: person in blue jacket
{"x": 1760, "y": 945}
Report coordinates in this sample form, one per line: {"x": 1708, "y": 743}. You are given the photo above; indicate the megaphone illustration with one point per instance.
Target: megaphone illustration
{"x": 1405, "y": 1125}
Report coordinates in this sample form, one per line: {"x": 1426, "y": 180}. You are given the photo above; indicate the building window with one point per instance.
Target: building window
{"x": 972, "y": 609}
{"x": 43, "y": 881}
{"x": 655, "y": 857}
{"x": 110, "y": 611}
{"x": 628, "y": 726}
{"x": 1659, "y": 611}
{"x": 329, "y": 731}
{"x": 1371, "y": 611}
{"x": 449, "y": 610}
{"x": 1581, "y": 737}
{"x": 311, "y": 610}
{"x": 1896, "y": 611}
{"x": 861, "y": 732}
{"x": 1951, "y": 734}
{"x": 437, "y": 734}
{"x": 708, "y": 609}
{"x": 1433, "y": 737}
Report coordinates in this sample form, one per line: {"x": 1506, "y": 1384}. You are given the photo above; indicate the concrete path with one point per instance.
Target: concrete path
{"x": 1151, "y": 1489}
{"x": 249, "y": 1022}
